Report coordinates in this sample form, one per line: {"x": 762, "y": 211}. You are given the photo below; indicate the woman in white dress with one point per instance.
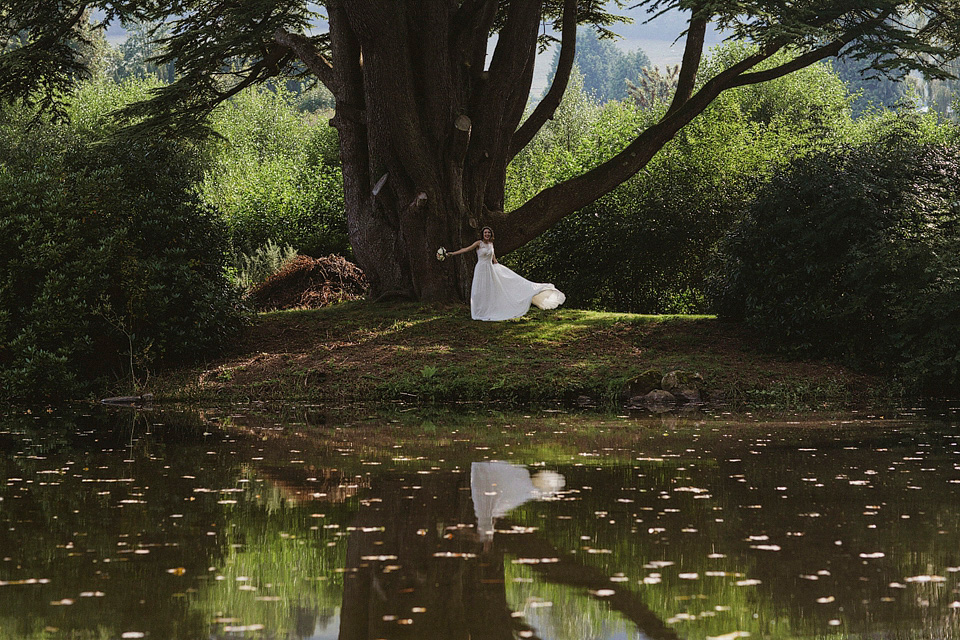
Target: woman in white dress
{"x": 497, "y": 292}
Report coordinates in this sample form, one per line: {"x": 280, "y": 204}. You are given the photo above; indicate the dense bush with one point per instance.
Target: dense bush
{"x": 106, "y": 255}
{"x": 854, "y": 254}
{"x": 275, "y": 175}
{"x": 646, "y": 246}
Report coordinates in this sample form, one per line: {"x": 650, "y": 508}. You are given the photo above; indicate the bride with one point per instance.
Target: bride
{"x": 497, "y": 292}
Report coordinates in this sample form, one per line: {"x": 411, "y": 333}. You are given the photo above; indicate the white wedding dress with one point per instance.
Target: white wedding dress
{"x": 500, "y": 294}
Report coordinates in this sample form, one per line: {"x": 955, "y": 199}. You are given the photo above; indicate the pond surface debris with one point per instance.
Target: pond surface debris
{"x": 308, "y": 524}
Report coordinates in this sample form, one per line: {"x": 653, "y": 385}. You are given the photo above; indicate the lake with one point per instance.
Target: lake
{"x": 435, "y": 523}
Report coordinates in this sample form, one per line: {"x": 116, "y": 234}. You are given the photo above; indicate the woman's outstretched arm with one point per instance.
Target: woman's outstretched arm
{"x": 464, "y": 250}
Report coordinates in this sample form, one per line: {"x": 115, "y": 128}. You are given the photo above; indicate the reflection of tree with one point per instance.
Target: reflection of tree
{"x": 133, "y": 510}
{"x": 410, "y": 567}
{"x": 416, "y": 567}
{"x": 570, "y": 571}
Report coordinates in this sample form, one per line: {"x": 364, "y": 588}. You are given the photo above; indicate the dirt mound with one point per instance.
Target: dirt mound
{"x": 309, "y": 283}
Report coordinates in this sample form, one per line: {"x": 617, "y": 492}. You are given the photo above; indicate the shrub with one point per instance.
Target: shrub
{"x": 852, "y": 254}
{"x": 275, "y": 175}
{"x": 253, "y": 268}
{"x": 104, "y": 249}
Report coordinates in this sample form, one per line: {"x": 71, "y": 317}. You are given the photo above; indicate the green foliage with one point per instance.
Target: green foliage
{"x": 939, "y": 95}
{"x": 851, "y": 253}
{"x": 253, "y": 268}
{"x": 211, "y": 43}
{"x": 275, "y": 175}
{"x": 653, "y": 86}
{"x": 44, "y": 51}
{"x": 646, "y": 246}
{"x": 313, "y": 99}
{"x": 104, "y": 251}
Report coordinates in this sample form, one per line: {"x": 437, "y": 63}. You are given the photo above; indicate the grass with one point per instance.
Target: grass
{"x": 360, "y": 351}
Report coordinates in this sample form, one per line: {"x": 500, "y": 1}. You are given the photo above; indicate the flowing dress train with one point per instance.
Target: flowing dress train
{"x": 498, "y": 293}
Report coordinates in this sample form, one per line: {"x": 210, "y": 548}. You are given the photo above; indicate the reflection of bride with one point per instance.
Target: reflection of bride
{"x": 497, "y": 487}
{"x": 497, "y": 292}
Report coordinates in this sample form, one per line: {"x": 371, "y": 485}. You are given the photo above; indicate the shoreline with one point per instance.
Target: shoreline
{"x": 361, "y": 352}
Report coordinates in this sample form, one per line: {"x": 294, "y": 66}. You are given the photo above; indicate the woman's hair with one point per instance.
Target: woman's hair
{"x": 484, "y": 229}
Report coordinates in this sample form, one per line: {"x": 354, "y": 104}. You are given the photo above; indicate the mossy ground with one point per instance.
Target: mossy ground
{"x": 360, "y": 351}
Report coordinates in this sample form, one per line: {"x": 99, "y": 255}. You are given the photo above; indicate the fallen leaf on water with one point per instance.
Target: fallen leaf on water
{"x": 926, "y": 579}
{"x": 731, "y": 636}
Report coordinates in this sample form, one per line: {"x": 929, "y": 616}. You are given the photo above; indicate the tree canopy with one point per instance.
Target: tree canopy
{"x": 427, "y": 120}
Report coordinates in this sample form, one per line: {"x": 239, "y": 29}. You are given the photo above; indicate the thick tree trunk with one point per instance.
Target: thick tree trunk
{"x": 427, "y": 129}
{"x": 404, "y": 133}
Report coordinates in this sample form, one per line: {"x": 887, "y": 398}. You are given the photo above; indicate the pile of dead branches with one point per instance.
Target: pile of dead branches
{"x": 309, "y": 283}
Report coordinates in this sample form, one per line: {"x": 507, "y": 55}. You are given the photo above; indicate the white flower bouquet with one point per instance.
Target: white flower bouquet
{"x": 441, "y": 254}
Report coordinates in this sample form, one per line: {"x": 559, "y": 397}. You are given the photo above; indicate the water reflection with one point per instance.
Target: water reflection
{"x": 176, "y": 525}
{"x": 497, "y": 488}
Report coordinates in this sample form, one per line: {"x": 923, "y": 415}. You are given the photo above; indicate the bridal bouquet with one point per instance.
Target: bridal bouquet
{"x": 441, "y": 254}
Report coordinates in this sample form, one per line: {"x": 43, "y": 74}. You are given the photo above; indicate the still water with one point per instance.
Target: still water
{"x": 170, "y": 525}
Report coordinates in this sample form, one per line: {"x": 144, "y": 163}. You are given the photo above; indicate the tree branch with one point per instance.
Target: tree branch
{"x": 797, "y": 63}
{"x": 551, "y": 205}
{"x": 815, "y": 55}
{"x": 692, "y": 52}
{"x": 49, "y": 65}
{"x": 68, "y": 26}
{"x": 548, "y": 106}
{"x": 308, "y": 54}
{"x": 497, "y": 105}
{"x": 266, "y": 67}
{"x": 511, "y": 57}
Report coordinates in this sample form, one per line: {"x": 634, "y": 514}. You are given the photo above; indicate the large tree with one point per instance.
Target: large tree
{"x": 428, "y": 120}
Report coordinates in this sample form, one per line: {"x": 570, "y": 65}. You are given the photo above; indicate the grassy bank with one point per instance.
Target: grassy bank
{"x": 359, "y": 351}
